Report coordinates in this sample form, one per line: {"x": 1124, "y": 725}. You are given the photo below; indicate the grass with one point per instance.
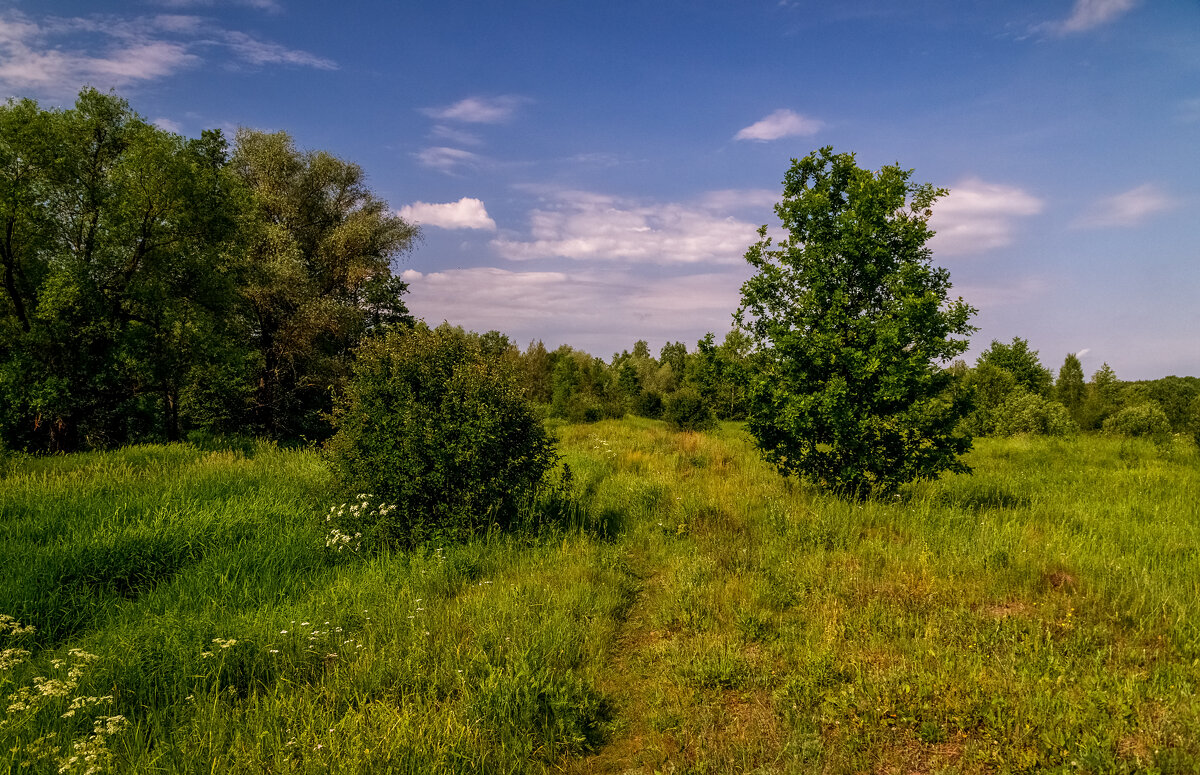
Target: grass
{"x": 1040, "y": 615}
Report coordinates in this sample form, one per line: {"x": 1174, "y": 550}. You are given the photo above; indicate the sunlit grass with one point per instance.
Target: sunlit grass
{"x": 1039, "y": 615}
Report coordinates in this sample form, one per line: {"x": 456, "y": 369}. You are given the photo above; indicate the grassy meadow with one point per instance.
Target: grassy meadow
{"x": 175, "y": 609}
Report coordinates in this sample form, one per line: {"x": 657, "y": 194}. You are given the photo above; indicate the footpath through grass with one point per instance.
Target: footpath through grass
{"x": 1041, "y": 615}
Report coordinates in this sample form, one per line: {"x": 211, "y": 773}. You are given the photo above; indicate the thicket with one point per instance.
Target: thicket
{"x": 434, "y": 438}
{"x": 155, "y": 285}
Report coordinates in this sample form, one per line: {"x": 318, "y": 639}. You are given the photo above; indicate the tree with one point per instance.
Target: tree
{"x": 851, "y": 321}
{"x": 1070, "y": 388}
{"x": 1102, "y": 399}
{"x": 1017, "y": 359}
{"x": 320, "y": 244}
{"x": 118, "y": 273}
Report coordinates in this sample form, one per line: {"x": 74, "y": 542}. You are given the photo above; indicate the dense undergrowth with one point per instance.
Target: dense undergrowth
{"x": 702, "y": 615}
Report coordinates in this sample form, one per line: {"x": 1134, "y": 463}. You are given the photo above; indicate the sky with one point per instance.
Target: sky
{"x": 592, "y": 173}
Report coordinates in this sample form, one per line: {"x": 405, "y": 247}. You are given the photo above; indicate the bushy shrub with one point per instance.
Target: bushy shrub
{"x": 1025, "y": 412}
{"x": 649, "y": 403}
{"x": 1144, "y": 419}
{"x": 1194, "y": 420}
{"x": 438, "y": 436}
{"x": 687, "y": 410}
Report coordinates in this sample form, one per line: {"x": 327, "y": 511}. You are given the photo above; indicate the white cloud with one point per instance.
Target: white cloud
{"x": 1083, "y": 352}
{"x": 979, "y": 216}
{"x": 168, "y": 125}
{"x": 478, "y": 110}
{"x": 260, "y": 52}
{"x": 1089, "y": 14}
{"x": 781, "y": 123}
{"x": 1130, "y": 208}
{"x": 261, "y": 5}
{"x": 583, "y": 225}
{"x": 466, "y": 213}
{"x": 598, "y": 311}
{"x": 448, "y": 159}
{"x": 56, "y": 56}
{"x": 725, "y": 200}
{"x": 457, "y": 136}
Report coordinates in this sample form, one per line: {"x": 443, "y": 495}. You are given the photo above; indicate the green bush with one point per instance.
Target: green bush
{"x": 1144, "y": 419}
{"x": 1025, "y": 412}
{"x": 649, "y": 404}
{"x": 687, "y": 410}
{"x": 438, "y": 435}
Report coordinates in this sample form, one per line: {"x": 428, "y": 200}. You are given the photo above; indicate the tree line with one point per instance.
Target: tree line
{"x": 153, "y": 284}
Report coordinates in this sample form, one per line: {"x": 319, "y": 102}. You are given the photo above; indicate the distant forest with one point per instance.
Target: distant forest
{"x": 157, "y": 287}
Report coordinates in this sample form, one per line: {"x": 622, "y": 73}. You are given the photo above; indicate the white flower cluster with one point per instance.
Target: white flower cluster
{"x": 345, "y": 522}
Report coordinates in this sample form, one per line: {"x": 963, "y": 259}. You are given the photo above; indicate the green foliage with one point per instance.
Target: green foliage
{"x": 1030, "y": 413}
{"x": 1101, "y": 400}
{"x": 1070, "y": 389}
{"x": 851, "y": 321}
{"x": 686, "y": 410}
{"x": 319, "y": 246}
{"x": 1019, "y": 361}
{"x": 1193, "y": 424}
{"x": 432, "y": 426}
{"x": 1145, "y": 420}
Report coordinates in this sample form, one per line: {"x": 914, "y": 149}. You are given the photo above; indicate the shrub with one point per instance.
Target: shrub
{"x": 687, "y": 410}
{"x": 431, "y": 427}
{"x": 1025, "y": 412}
{"x": 1144, "y": 419}
{"x": 649, "y": 404}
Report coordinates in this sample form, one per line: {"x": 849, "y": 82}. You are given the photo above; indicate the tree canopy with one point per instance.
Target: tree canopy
{"x": 852, "y": 324}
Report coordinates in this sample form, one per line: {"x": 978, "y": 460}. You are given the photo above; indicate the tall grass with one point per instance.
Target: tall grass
{"x": 1039, "y": 615}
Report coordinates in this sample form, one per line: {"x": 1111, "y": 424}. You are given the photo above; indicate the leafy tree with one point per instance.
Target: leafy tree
{"x": 1102, "y": 399}
{"x": 437, "y": 428}
{"x": 1017, "y": 359}
{"x": 118, "y": 273}
{"x": 320, "y": 245}
{"x": 851, "y": 321}
{"x": 1070, "y": 388}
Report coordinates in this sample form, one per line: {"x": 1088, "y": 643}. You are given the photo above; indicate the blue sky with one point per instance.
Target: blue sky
{"x": 592, "y": 173}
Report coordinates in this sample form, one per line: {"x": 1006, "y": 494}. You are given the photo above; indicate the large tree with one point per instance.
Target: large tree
{"x": 117, "y": 277}
{"x": 852, "y": 323}
{"x": 320, "y": 246}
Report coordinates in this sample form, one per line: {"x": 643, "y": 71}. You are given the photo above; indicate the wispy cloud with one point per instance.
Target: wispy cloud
{"x": 1130, "y": 208}
{"x": 454, "y": 135}
{"x": 781, "y": 123}
{"x": 260, "y": 52}
{"x": 479, "y": 110}
{"x": 449, "y": 160}
{"x": 598, "y": 311}
{"x": 1089, "y": 14}
{"x": 261, "y": 5}
{"x": 55, "y": 56}
{"x": 979, "y": 216}
{"x": 466, "y": 213}
{"x": 168, "y": 125}
{"x": 587, "y": 226}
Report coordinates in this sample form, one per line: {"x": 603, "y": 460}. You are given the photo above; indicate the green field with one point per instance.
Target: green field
{"x": 702, "y": 615}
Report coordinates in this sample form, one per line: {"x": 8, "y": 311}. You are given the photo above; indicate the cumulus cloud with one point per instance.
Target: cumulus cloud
{"x": 781, "y": 123}
{"x": 1089, "y": 14}
{"x": 478, "y": 110}
{"x": 601, "y": 312}
{"x": 583, "y": 225}
{"x": 979, "y": 216}
{"x": 55, "y": 56}
{"x": 1130, "y": 208}
{"x": 466, "y": 213}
